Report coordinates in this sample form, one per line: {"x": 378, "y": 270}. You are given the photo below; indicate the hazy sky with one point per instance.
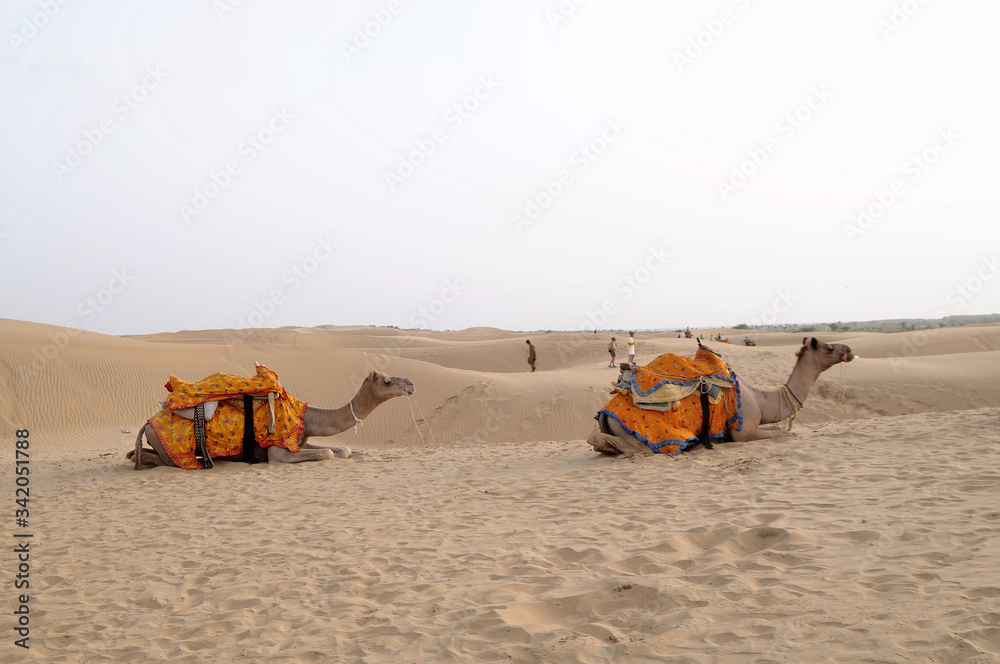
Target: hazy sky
{"x": 526, "y": 165}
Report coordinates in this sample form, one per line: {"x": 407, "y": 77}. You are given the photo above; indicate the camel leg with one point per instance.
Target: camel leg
{"x": 143, "y": 457}
{"x": 614, "y": 440}
{"x": 604, "y": 443}
{"x": 146, "y": 457}
{"x": 339, "y": 452}
{"x": 277, "y": 454}
{"x": 758, "y": 434}
{"x": 614, "y": 445}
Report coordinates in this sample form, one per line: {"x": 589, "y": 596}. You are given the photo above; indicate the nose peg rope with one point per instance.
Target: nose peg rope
{"x": 426, "y": 423}
{"x": 415, "y": 425}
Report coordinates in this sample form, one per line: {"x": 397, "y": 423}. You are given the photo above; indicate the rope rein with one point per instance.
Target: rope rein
{"x": 793, "y": 408}
{"x": 424, "y": 419}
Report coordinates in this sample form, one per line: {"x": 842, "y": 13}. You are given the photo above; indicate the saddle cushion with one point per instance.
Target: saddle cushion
{"x": 224, "y": 432}
{"x": 219, "y": 386}
{"x": 671, "y": 431}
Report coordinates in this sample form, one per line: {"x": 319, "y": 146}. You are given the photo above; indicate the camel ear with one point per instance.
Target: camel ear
{"x": 814, "y": 343}
{"x": 805, "y": 340}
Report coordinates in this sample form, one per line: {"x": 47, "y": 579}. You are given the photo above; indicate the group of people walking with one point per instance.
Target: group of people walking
{"x": 613, "y": 349}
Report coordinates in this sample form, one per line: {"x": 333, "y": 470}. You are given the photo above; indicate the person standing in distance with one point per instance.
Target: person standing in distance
{"x": 631, "y": 347}
{"x": 531, "y": 354}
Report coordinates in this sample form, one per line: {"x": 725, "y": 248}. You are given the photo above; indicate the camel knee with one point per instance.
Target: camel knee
{"x": 277, "y": 454}
{"x": 144, "y": 459}
{"x": 601, "y": 443}
{"x": 141, "y": 456}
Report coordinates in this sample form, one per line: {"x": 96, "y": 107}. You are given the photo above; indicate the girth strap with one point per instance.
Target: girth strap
{"x": 200, "y": 438}
{"x": 249, "y": 438}
{"x": 705, "y": 422}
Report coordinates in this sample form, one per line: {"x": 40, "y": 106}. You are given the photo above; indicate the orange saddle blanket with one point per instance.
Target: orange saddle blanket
{"x": 224, "y": 431}
{"x": 672, "y": 430}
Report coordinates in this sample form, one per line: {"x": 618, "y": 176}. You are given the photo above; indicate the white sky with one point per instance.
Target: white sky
{"x": 116, "y": 116}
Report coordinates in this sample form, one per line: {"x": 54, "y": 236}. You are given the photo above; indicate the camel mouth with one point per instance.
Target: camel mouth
{"x": 408, "y": 389}
{"x": 848, "y": 354}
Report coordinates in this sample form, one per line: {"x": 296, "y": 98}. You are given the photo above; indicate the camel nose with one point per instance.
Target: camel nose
{"x": 848, "y": 355}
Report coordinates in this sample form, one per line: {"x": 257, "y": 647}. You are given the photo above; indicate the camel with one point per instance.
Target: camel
{"x": 757, "y": 406}
{"x": 375, "y": 390}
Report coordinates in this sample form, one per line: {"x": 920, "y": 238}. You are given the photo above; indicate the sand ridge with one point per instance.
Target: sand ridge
{"x": 505, "y": 538}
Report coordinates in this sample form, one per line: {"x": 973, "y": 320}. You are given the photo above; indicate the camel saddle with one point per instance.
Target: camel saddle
{"x": 676, "y": 401}
{"x": 208, "y": 419}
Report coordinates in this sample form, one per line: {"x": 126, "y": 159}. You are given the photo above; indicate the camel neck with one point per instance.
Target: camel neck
{"x": 330, "y": 421}
{"x": 774, "y": 406}
{"x": 362, "y": 404}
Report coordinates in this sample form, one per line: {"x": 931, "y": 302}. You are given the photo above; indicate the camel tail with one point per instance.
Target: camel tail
{"x": 138, "y": 448}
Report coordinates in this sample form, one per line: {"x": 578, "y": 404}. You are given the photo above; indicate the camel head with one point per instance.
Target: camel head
{"x": 824, "y": 354}
{"x": 385, "y": 387}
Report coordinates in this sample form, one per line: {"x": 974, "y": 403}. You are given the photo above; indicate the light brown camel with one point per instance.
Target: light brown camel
{"x": 377, "y": 389}
{"x": 757, "y": 406}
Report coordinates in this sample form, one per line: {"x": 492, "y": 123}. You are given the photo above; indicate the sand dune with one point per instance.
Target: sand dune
{"x": 474, "y": 524}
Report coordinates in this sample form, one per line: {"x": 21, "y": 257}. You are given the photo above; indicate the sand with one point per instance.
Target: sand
{"x": 490, "y": 531}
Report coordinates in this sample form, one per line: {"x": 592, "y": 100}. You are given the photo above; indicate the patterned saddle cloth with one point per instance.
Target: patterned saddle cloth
{"x": 224, "y": 431}
{"x": 660, "y": 403}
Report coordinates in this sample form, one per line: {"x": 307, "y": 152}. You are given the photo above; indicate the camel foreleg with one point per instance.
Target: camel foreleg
{"x": 339, "y": 452}
{"x": 603, "y": 443}
{"x": 277, "y": 454}
{"x": 614, "y": 445}
{"x": 758, "y": 434}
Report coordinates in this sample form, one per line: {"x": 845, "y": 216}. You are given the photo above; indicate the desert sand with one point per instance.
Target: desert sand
{"x": 474, "y": 524}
